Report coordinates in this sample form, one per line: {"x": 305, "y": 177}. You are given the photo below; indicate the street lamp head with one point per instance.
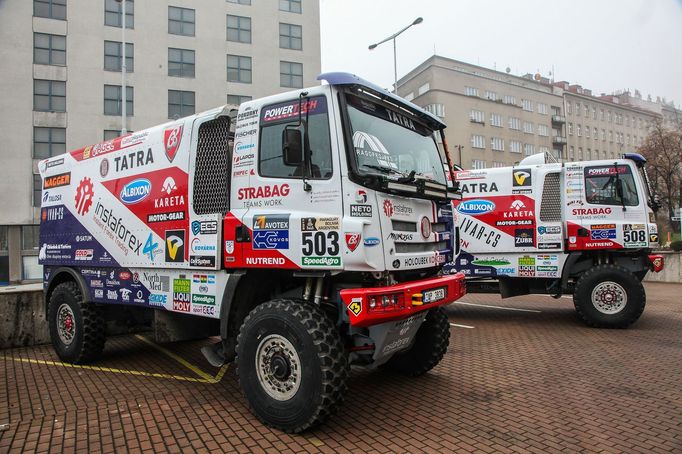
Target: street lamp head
{"x": 418, "y": 20}
{"x": 372, "y": 46}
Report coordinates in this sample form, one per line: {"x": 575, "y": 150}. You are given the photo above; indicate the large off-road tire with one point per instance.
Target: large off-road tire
{"x": 609, "y": 296}
{"x": 291, "y": 364}
{"x": 430, "y": 344}
{"x": 76, "y": 328}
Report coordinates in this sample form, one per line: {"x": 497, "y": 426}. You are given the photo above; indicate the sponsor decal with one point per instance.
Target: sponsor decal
{"x": 388, "y": 208}
{"x": 112, "y": 295}
{"x": 355, "y": 306}
{"x": 171, "y": 141}
{"x": 603, "y": 231}
{"x": 468, "y": 188}
{"x": 361, "y": 211}
{"x": 480, "y": 232}
{"x": 249, "y": 132}
{"x": 198, "y": 247}
{"x": 635, "y": 235}
{"x": 181, "y": 295}
{"x": 353, "y": 241}
{"x": 526, "y": 260}
{"x": 271, "y": 231}
{"x": 124, "y": 275}
{"x": 260, "y": 192}
{"x": 115, "y": 228}
{"x": 524, "y": 237}
{"x": 229, "y": 246}
{"x": 265, "y": 260}
{"x": 371, "y": 241}
{"x": 522, "y": 178}
{"x": 202, "y": 261}
{"x": 606, "y": 171}
{"x": 401, "y": 120}
{"x": 56, "y": 181}
{"x": 291, "y": 109}
{"x": 175, "y": 246}
{"x": 169, "y": 185}
{"x": 243, "y": 146}
{"x": 361, "y": 196}
{"x": 150, "y": 248}
{"x": 83, "y": 254}
{"x": 51, "y": 198}
{"x": 125, "y": 294}
{"x": 505, "y": 270}
{"x": 134, "y": 160}
{"x": 156, "y": 299}
{"x": 490, "y": 262}
{"x": 203, "y": 299}
{"x": 52, "y": 214}
{"x": 247, "y": 114}
{"x": 549, "y": 245}
{"x": 514, "y": 222}
{"x": 84, "y": 195}
{"x": 398, "y": 236}
{"x": 99, "y": 293}
{"x": 549, "y": 229}
{"x": 204, "y": 227}
{"x": 316, "y": 224}
{"x": 54, "y": 163}
{"x": 166, "y": 217}
{"x": 475, "y": 207}
{"x": 321, "y": 261}
{"x": 240, "y": 173}
{"x": 243, "y": 160}
{"x": 104, "y": 167}
{"x": 156, "y": 282}
{"x": 135, "y": 191}
{"x": 591, "y": 211}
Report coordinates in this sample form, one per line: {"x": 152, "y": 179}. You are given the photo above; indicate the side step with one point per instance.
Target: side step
{"x": 214, "y": 354}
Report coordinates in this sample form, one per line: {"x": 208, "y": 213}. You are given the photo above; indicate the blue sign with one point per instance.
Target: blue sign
{"x": 603, "y": 234}
{"x": 371, "y": 241}
{"x": 196, "y": 227}
{"x": 475, "y": 207}
{"x": 271, "y": 239}
{"x": 135, "y": 191}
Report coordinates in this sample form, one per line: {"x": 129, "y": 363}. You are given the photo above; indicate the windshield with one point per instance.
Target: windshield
{"x": 388, "y": 143}
{"x": 601, "y": 185}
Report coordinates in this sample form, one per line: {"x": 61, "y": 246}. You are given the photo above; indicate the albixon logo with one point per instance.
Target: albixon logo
{"x": 475, "y": 207}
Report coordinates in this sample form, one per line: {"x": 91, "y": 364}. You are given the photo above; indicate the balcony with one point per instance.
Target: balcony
{"x": 558, "y": 119}
{"x": 559, "y": 140}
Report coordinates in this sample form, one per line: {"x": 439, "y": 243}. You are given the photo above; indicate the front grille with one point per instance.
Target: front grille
{"x": 407, "y": 248}
{"x": 402, "y": 226}
{"x": 550, "y": 209}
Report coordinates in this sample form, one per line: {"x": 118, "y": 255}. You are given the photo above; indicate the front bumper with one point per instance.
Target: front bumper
{"x": 410, "y": 294}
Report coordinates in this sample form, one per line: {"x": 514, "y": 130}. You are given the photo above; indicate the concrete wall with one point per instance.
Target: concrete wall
{"x": 672, "y": 271}
{"x": 22, "y": 319}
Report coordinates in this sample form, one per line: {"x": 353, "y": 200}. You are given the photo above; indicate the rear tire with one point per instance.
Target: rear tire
{"x": 609, "y": 296}
{"x": 76, "y": 328}
{"x": 291, "y": 364}
{"x": 430, "y": 344}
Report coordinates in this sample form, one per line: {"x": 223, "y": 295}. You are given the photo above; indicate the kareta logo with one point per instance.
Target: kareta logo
{"x": 135, "y": 191}
{"x": 475, "y": 207}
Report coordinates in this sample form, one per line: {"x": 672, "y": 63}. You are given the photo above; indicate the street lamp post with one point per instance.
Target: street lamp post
{"x": 418, "y": 20}
{"x": 124, "y": 130}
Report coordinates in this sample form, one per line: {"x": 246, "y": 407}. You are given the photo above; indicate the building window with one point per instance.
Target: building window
{"x": 239, "y": 69}
{"x": 595, "y": 133}
{"x": 594, "y": 113}
{"x": 569, "y": 109}
{"x": 542, "y": 108}
{"x": 292, "y": 6}
{"x": 52, "y": 9}
{"x": 528, "y": 149}
{"x": 543, "y": 130}
{"x": 477, "y": 116}
{"x": 48, "y": 142}
{"x": 588, "y": 154}
{"x": 497, "y": 144}
{"x": 514, "y": 123}
{"x": 290, "y": 36}
{"x": 580, "y": 154}
{"x": 491, "y": 95}
{"x": 49, "y": 49}
{"x": 112, "y": 56}
{"x": 587, "y": 111}
{"x": 497, "y": 164}
{"x": 578, "y": 130}
{"x": 587, "y": 132}
{"x": 608, "y": 116}
{"x": 239, "y": 29}
{"x": 423, "y": 89}
{"x": 514, "y": 146}
{"x": 112, "y": 100}
{"x": 180, "y": 62}
{"x": 110, "y": 134}
{"x": 527, "y": 105}
{"x": 528, "y": 127}
{"x": 603, "y": 134}
{"x": 571, "y": 154}
{"x": 471, "y": 91}
{"x": 181, "y": 21}
{"x": 240, "y": 2}
{"x": 508, "y": 99}
{"x": 477, "y": 141}
{"x": 49, "y": 96}
{"x": 180, "y": 103}
{"x": 577, "y": 109}
{"x": 610, "y": 136}
{"x": 570, "y": 129}
{"x": 436, "y": 109}
{"x": 543, "y": 149}
{"x": 30, "y": 235}
{"x": 409, "y": 96}
{"x": 290, "y": 74}
{"x": 37, "y": 190}
{"x": 496, "y": 120}
{"x": 112, "y": 13}
{"x": 477, "y": 164}
{"x": 238, "y": 99}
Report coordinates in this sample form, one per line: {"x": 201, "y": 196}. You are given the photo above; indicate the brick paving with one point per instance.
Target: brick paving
{"x": 537, "y": 382}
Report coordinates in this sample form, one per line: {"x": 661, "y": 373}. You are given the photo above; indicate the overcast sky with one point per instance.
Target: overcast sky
{"x": 604, "y": 45}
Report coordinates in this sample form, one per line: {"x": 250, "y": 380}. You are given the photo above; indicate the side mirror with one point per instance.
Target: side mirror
{"x": 292, "y": 147}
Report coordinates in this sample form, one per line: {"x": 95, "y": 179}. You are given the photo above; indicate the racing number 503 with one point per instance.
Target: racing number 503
{"x": 320, "y": 243}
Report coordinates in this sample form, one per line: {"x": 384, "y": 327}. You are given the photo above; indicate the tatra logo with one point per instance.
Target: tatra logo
{"x": 171, "y": 139}
{"x": 134, "y": 159}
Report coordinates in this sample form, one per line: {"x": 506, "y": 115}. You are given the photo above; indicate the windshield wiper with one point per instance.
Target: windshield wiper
{"x": 383, "y": 169}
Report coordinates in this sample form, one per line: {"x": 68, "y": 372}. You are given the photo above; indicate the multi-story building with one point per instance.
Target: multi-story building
{"x": 494, "y": 118}
{"x": 61, "y": 81}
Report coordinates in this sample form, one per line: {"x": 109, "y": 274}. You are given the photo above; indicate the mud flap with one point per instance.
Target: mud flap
{"x": 392, "y": 337}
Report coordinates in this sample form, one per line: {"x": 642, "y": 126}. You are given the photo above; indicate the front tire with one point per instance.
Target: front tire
{"x": 76, "y": 328}
{"x": 609, "y": 296}
{"x": 291, "y": 364}
{"x": 430, "y": 344}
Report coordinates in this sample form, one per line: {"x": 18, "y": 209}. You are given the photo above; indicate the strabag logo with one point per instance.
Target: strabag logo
{"x": 263, "y": 192}
{"x": 171, "y": 141}
{"x": 56, "y": 181}
{"x": 591, "y": 211}
{"x": 175, "y": 246}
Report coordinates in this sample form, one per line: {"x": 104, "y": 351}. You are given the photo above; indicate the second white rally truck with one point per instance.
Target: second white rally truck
{"x": 311, "y": 226}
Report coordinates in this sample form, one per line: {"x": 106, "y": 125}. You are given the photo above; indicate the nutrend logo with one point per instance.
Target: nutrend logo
{"x": 84, "y": 195}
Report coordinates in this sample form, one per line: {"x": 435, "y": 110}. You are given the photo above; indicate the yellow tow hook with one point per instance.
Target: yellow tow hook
{"x": 417, "y": 299}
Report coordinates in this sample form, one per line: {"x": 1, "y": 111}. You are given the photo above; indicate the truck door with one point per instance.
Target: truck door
{"x": 290, "y": 204}
{"x": 209, "y": 190}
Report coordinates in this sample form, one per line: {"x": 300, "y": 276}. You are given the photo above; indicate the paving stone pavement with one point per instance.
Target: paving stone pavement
{"x": 518, "y": 381}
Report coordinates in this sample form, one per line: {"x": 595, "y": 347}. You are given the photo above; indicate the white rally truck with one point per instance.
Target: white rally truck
{"x": 310, "y": 226}
{"x": 585, "y": 229}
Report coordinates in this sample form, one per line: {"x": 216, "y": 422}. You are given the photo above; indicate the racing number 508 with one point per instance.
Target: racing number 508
{"x": 320, "y": 243}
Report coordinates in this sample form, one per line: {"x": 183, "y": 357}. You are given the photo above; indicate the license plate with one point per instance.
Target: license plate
{"x": 431, "y": 296}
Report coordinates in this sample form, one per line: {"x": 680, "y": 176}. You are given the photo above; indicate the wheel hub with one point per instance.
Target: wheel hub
{"x": 609, "y": 297}
{"x": 66, "y": 324}
{"x": 278, "y": 367}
